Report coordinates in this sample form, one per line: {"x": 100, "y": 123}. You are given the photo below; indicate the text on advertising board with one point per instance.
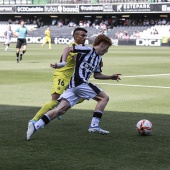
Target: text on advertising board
{"x": 148, "y": 42}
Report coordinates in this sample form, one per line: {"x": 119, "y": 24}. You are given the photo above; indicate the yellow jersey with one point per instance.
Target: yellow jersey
{"x": 47, "y": 33}
{"x": 68, "y": 69}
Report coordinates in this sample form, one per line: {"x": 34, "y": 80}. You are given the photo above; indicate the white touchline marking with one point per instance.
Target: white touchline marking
{"x": 131, "y": 85}
{"x": 150, "y": 75}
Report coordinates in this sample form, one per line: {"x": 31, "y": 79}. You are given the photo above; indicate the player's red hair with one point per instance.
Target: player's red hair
{"x": 102, "y": 38}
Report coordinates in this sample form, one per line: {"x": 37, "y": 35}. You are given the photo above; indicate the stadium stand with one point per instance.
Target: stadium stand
{"x": 154, "y": 31}
{"x": 128, "y": 28}
{"x": 122, "y": 28}
{"x": 65, "y": 31}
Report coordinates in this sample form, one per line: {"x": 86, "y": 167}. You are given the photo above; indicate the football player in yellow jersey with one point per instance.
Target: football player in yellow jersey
{"x": 61, "y": 76}
{"x": 47, "y": 37}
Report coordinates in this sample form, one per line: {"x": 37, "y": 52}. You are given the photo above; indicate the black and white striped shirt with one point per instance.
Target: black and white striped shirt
{"x": 87, "y": 62}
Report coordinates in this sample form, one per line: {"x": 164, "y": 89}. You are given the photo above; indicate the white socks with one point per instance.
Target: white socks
{"x": 42, "y": 122}
{"x": 95, "y": 122}
{"x": 6, "y": 48}
{"x": 39, "y": 124}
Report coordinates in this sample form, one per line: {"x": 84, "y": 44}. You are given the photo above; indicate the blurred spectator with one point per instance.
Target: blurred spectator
{"x": 146, "y": 22}
{"x": 16, "y": 21}
{"x": 60, "y": 23}
{"x": 135, "y": 35}
{"x": 10, "y": 21}
{"x": 164, "y": 22}
{"x": 152, "y": 22}
{"x": 54, "y": 21}
{"x": 159, "y": 22}
{"x": 120, "y": 36}
{"x": 88, "y": 22}
{"x": 125, "y": 35}
{"x": 81, "y": 23}
{"x": 34, "y": 22}
{"x": 105, "y": 32}
{"x": 71, "y": 24}
{"x": 117, "y": 35}
{"x": 40, "y": 22}
{"x": 155, "y": 32}
{"x": 27, "y": 21}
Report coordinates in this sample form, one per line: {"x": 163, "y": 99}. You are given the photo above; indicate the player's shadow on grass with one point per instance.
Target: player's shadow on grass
{"x": 14, "y": 119}
{"x": 69, "y": 138}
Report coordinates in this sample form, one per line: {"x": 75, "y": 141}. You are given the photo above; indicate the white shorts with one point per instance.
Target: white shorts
{"x": 86, "y": 91}
{"x": 7, "y": 41}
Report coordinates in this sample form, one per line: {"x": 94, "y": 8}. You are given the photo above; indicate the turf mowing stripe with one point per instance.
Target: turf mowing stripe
{"x": 131, "y": 85}
{"x": 150, "y": 75}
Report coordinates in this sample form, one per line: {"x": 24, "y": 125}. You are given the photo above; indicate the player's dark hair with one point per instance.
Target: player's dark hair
{"x": 79, "y": 29}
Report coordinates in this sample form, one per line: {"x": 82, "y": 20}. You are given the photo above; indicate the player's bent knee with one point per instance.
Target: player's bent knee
{"x": 106, "y": 98}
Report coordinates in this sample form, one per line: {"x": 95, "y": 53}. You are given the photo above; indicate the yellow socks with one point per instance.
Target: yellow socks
{"x": 48, "y": 106}
{"x": 49, "y": 45}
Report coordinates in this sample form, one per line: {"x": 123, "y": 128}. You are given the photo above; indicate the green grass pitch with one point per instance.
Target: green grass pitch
{"x": 143, "y": 93}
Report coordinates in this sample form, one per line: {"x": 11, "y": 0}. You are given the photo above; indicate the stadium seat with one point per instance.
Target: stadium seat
{"x": 12, "y": 2}
{"x": 6, "y": 2}
{"x": 18, "y": 1}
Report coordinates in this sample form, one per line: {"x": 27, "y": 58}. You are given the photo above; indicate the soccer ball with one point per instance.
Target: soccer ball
{"x": 144, "y": 127}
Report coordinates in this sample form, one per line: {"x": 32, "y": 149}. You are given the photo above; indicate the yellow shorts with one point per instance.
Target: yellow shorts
{"x": 59, "y": 84}
{"x": 47, "y": 39}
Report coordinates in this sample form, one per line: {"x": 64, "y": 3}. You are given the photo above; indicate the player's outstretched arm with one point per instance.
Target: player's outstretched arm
{"x": 107, "y": 77}
{"x": 116, "y": 77}
{"x": 58, "y": 65}
{"x": 65, "y": 54}
{"x": 53, "y": 65}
